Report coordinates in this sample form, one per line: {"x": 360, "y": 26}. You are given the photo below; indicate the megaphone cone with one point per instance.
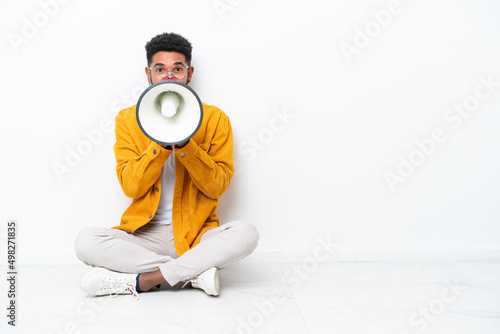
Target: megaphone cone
{"x": 169, "y": 112}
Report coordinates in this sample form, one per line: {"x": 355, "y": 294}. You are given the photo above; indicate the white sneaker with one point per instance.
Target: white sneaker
{"x": 207, "y": 281}
{"x": 101, "y": 282}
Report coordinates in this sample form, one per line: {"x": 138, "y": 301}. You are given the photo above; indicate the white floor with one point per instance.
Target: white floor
{"x": 360, "y": 298}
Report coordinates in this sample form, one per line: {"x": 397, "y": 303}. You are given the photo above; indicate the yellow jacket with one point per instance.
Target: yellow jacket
{"x": 203, "y": 170}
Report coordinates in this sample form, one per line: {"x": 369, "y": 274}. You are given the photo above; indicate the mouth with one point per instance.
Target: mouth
{"x": 170, "y": 77}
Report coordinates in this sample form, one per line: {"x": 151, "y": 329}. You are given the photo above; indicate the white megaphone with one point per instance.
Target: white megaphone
{"x": 169, "y": 112}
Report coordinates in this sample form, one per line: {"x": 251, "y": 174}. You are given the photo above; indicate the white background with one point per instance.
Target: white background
{"x": 68, "y": 67}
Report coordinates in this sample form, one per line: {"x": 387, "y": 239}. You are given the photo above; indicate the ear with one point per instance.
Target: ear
{"x": 190, "y": 73}
{"x": 148, "y": 75}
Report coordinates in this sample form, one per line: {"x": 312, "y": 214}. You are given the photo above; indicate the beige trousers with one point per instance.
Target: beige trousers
{"x": 151, "y": 247}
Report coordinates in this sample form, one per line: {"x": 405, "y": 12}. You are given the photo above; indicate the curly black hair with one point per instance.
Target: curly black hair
{"x": 170, "y": 42}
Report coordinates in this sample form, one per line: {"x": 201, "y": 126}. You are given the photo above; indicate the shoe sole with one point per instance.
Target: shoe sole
{"x": 214, "y": 289}
{"x": 216, "y": 283}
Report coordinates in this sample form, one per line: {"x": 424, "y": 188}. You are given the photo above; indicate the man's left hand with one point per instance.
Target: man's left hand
{"x": 181, "y": 145}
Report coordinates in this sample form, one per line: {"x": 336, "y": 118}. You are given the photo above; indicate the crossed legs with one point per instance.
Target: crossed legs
{"x": 150, "y": 251}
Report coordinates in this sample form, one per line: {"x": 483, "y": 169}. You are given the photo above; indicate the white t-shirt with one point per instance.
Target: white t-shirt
{"x": 163, "y": 215}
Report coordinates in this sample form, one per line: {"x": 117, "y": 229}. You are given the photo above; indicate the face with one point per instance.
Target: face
{"x": 165, "y": 63}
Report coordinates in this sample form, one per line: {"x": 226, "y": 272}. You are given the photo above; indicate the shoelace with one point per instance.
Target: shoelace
{"x": 187, "y": 282}
{"x": 118, "y": 287}
{"x": 196, "y": 282}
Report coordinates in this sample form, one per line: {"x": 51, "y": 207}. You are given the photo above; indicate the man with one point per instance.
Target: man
{"x": 170, "y": 232}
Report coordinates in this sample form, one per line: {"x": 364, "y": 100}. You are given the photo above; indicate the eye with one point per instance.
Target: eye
{"x": 178, "y": 69}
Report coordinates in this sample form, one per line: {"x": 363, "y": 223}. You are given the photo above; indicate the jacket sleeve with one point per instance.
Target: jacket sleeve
{"x": 137, "y": 170}
{"x": 210, "y": 165}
